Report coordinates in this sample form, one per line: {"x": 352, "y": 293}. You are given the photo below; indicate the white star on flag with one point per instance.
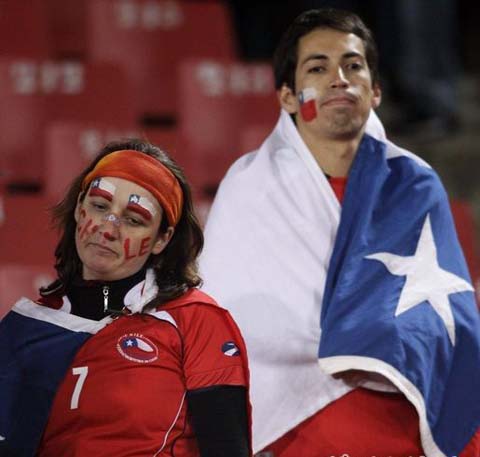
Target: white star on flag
{"x": 426, "y": 281}
{"x": 129, "y": 343}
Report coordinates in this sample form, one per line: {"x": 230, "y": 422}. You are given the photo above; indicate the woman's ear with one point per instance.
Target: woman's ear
{"x": 162, "y": 241}
{"x": 78, "y": 207}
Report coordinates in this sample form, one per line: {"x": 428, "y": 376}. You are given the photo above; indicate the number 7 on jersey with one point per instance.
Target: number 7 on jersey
{"x": 82, "y": 373}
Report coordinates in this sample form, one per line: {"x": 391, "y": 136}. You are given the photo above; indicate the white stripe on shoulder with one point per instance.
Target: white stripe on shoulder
{"x": 394, "y": 151}
{"x": 28, "y": 308}
{"x": 164, "y": 316}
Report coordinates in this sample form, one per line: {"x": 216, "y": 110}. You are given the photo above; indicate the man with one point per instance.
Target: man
{"x": 336, "y": 252}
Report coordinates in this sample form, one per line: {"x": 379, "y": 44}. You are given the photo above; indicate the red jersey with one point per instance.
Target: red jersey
{"x": 124, "y": 394}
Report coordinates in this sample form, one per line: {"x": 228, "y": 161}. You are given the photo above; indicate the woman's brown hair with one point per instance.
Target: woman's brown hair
{"x": 175, "y": 267}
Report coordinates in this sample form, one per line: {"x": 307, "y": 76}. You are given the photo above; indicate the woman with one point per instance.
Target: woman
{"x": 167, "y": 374}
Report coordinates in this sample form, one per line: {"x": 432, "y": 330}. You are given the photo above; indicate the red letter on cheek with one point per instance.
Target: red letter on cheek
{"x": 126, "y": 247}
{"x": 85, "y": 228}
{"x": 144, "y": 245}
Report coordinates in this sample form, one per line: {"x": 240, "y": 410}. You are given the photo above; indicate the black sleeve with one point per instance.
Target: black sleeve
{"x": 220, "y": 421}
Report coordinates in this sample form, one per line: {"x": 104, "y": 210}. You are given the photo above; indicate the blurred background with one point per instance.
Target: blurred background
{"x": 194, "y": 77}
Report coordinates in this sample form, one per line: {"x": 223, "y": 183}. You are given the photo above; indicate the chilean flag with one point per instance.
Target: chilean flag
{"x": 37, "y": 345}
{"x": 398, "y": 299}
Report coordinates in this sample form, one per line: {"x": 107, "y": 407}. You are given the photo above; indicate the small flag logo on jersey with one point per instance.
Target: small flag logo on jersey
{"x": 137, "y": 348}
{"x": 229, "y": 348}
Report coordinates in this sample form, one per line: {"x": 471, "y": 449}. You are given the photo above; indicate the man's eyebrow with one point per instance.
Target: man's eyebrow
{"x": 351, "y": 54}
{"x": 347, "y": 55}
{"x": 314, "y": 57}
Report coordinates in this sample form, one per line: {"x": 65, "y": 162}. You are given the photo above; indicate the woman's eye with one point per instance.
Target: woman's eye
{"x": 98, "y": 206}
{"x": 133, "y": 221}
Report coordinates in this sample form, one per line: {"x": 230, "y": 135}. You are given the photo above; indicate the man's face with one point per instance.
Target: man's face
{"x": 333, "y": 86}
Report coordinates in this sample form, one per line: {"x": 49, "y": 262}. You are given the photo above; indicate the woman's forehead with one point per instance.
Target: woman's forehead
{"x": 122, "y": 189}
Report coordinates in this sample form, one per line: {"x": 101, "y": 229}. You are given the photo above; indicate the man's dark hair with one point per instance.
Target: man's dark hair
{"x": 286, "y": 53}
{"x": 175, "y": 267}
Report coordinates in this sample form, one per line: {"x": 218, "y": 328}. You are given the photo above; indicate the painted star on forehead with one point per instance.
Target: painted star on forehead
{"x": 426, "y": 281}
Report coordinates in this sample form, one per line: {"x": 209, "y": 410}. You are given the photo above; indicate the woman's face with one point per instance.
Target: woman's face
{"x": 117, "y": 229}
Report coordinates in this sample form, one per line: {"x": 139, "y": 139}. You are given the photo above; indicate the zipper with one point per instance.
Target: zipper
{"x": 105, "y": 299}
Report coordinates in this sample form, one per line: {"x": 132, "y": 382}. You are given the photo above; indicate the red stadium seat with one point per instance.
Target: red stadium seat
{"x": 70, "y": 146}
{"x": 24, "y": 29}
{"x": 465, "y": 224}
{"x": 67, "y": 20}
{"x": 26, "y": 235}
{"x": 149, "y": 37}
{"x": 21, "y": 280}
{"x": 252, "y": 137}
{"x": 218, "y": 99}
{"x": 35, "y": 93}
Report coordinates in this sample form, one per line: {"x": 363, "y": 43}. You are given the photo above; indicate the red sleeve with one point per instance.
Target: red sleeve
{"x": 473, "y": 447}
{"x": 214, "y": 351}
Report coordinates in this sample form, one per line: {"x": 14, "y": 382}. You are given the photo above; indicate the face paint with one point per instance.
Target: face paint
{"x": 87, "y": 229}
{"x": 108, "y": 236}
{"x": 101, "y": 187}
{"x": 308, "y": 108}
{"x": 144, "y": 247}
{"x": 142, "y": 206}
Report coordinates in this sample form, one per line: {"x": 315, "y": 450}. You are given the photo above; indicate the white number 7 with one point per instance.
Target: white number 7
{"x": 82, "y": 375}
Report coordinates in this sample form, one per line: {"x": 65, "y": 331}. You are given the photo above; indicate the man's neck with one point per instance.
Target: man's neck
{"x": 334, "y": 156}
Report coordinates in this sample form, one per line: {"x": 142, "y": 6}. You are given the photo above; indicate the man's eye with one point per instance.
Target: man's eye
{"x": 355, "y": 66}
{"x": 316, "y": 69}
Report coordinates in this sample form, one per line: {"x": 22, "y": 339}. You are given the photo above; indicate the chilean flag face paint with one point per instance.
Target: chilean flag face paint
{"x": 308, "y": 108}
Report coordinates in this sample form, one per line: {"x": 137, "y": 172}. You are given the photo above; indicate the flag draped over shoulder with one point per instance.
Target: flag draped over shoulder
{"x": 379, "y": 285}
{"x": 37, "y": 345}
{"x": 398, "y": 299}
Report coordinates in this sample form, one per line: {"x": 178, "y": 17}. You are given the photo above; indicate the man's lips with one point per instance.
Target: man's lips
{"x": 339, "y": 100}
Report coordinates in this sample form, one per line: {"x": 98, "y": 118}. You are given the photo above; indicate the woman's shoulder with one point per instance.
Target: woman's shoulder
{"x": 192, "y": 297}
{"x": 194, "y": 308}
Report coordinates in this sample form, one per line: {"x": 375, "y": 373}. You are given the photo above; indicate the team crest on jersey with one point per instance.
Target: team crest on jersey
{"x": 230, "y": 348}
{"x": 137, "y": 348}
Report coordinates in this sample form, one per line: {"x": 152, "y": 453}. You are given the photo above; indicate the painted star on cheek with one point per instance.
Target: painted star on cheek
{"x": 426, "y": 280}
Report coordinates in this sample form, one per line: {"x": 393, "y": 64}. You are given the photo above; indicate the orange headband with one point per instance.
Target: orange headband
{"x": 145, "y": 171}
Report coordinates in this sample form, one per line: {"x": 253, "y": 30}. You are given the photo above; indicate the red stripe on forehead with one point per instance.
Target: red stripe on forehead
{"x": 140, "y": 210}
{"x": 97, "y": 192}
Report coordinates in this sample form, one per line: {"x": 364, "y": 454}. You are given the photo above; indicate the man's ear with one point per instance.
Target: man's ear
{"x": 162, "y": 241}
{"x": 287, "y": 99}
{"x": 377, "y": 96}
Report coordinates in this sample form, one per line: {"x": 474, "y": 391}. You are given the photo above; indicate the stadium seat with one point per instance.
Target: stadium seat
{"x": 67, "y": 22}
{"x": 252, "y": 137}
{"x": 24, "y": 29}
{"x": 149, "y": 37}
{"x": 218, "y": 99}
{"x": 26, "y": 235}
{"x": 464, "y": 221}
{"x": 21, "y": 280}
{"x": 35, "y": 93}
{"x": 70, "y": 146}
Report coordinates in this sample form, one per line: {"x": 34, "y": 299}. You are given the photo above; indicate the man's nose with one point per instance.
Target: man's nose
{"x": 339, "y": 81}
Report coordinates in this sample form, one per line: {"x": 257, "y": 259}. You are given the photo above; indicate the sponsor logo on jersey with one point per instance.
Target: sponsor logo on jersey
{"x": 137, "y": 348}
{"x": 230, "y": 348}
